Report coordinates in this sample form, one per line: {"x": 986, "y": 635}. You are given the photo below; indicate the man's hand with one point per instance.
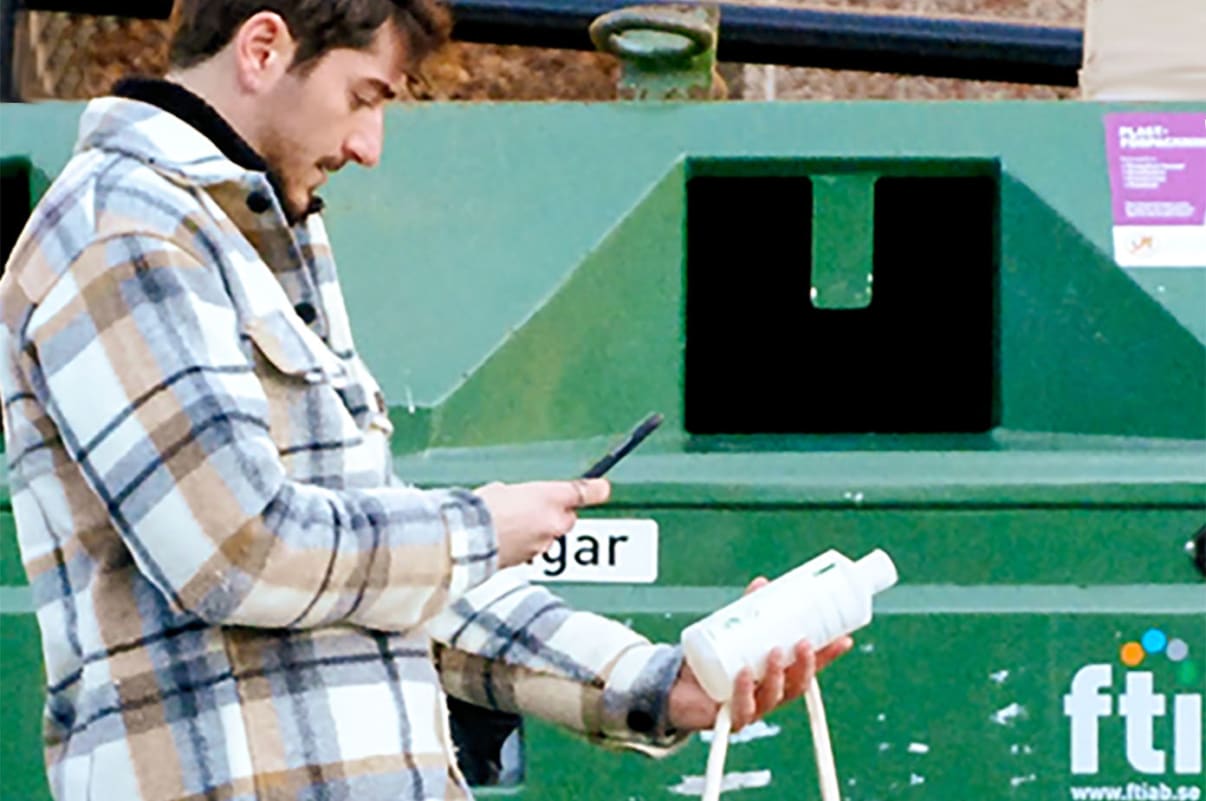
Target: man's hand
{"x": 692, "y": 709}
{"x": 528, "y": 517}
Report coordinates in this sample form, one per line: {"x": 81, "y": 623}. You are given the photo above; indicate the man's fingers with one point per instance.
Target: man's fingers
{"x": 590, "y": 491}
{"x": 567, "y": 522}
{"x": 770, "y": 691}
{"x": 779, "y": 684}
{"x": 801, "y": 672}
{"x": 744, "y": 706}
{"x": 832, "y": 651}
{"x": 756, "y": 584}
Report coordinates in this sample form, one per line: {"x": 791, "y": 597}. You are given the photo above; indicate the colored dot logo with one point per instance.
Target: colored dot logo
{"x": 1132, "y": 654}
{"x": 1154, "y": 642}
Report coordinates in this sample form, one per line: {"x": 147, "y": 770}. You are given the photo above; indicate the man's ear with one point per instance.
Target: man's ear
{"x": 263, "y": 51}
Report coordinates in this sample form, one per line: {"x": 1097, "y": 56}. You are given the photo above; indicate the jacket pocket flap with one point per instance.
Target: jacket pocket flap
{"x": 294, "y": 349}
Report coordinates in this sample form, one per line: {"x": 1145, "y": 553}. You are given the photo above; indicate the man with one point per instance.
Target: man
{"x": 237, "y": 599}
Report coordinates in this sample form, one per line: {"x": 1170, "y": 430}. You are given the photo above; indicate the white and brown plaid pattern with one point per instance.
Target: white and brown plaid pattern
{"x": 237, "y": 599}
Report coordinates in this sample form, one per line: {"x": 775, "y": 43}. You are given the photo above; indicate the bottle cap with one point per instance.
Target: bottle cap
{"x": 876, "y": 571}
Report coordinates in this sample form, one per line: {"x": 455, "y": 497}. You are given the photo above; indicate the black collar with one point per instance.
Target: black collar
{"x": 175, "y": 99}
{"x": 180, "y": 102}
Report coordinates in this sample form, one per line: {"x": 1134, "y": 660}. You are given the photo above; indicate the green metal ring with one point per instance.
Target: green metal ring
{"x": 607, "y": 32}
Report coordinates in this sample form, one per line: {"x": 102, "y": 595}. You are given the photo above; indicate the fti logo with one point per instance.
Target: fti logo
{"x": 1093, "y": 698}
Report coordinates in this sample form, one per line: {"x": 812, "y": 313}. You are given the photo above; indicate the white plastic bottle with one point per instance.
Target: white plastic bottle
{"x": 819, "y": 601}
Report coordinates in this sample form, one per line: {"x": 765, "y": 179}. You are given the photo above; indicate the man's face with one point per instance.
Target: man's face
{"x": 315, "y": 120}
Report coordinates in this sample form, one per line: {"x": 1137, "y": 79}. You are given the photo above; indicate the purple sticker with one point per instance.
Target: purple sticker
{"x": 1157, "y": 168}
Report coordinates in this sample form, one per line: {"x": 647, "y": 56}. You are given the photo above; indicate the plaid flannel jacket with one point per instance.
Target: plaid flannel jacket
{"x": 237, "y": 599}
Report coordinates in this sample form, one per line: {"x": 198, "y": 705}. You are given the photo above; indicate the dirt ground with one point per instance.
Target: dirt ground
{"x": 77, "y": 56}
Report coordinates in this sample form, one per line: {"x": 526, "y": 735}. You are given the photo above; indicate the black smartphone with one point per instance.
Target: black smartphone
{"x": 624, "y": 447}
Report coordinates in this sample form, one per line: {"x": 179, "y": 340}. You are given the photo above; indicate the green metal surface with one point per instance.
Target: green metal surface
{"x": 842, "y": 242}
{"x": 465, "y": 254}
{"x": 517, "y": 275}
{"x": 21, "y": 680}
{"x": 930, "y": 706}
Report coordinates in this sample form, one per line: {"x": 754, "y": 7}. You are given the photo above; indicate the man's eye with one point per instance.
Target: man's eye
{"x": 360, "y": 102}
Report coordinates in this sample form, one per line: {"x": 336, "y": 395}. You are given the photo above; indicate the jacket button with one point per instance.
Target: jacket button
{"x": 306, "y": 312}
{"x": 640, "y": 721}
{"x": 259, "y": 202}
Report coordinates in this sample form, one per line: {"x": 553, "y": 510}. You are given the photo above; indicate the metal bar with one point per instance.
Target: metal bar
{"x": 534, "y": 23}
{"x": 950, "y": 47}
{"x": 141, "y": 9}
{"x": 941, "y": 47}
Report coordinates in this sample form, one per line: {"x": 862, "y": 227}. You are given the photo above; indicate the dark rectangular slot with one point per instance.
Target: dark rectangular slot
{"x": 760, "y": 358}
{"x": 15, "y": 203}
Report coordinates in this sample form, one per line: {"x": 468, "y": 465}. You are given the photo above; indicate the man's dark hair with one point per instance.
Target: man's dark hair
{"x": 204, "y": 27}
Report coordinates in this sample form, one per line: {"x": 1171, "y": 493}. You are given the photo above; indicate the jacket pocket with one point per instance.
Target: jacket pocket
{"x": 319, "y": 408}
{"x": 295, "y": 350}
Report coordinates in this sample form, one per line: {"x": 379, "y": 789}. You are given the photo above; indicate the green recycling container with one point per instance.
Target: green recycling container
{"x": 868, "y": 325}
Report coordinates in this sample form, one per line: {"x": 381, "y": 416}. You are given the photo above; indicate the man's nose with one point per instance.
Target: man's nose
{"x": 365, "y": 143}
